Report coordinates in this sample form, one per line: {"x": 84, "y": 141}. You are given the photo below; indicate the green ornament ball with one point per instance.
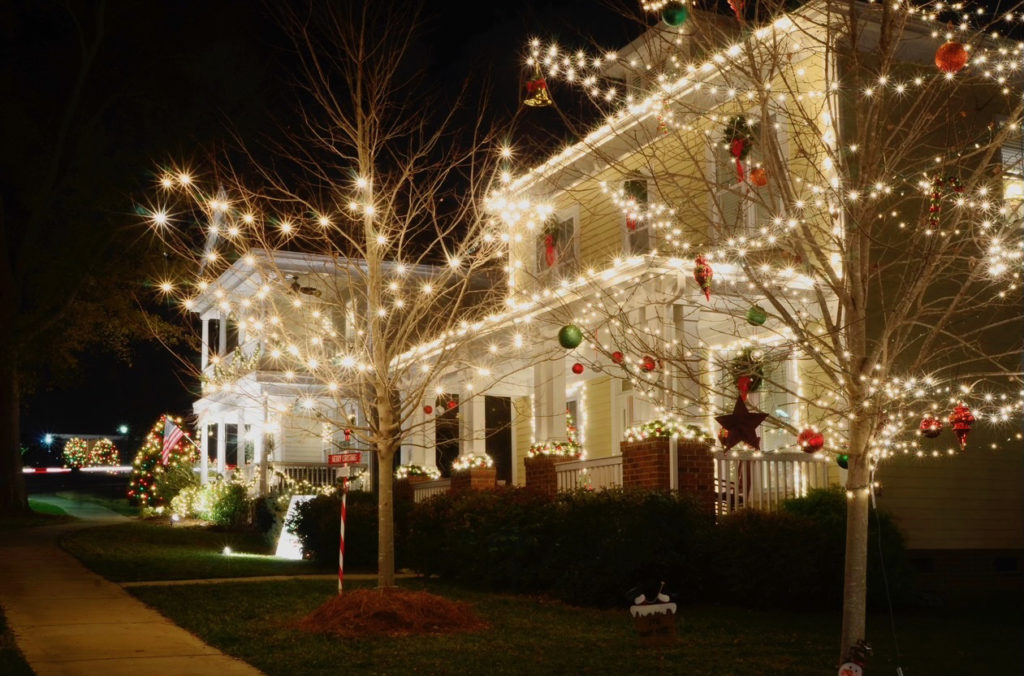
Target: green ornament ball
{"x": 675, "y": 16}
{"x": 843, "y": 460}
{"x": 570, "y": 336}
{"x": 756, "y": 316}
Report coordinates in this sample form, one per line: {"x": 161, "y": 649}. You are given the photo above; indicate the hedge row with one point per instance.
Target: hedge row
{"x": 598, "y": 548}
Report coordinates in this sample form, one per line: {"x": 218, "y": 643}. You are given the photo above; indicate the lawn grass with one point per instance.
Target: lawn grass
{"x": 12, "y": 663}
{"x": 40, "y": 507}
{"x": 145, "y": 550}
{"x": 255, "y": 622}
{"x": 119, "y": 505}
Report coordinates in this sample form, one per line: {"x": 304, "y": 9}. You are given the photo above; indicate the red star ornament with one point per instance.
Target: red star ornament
{"x": 740, "y": 425}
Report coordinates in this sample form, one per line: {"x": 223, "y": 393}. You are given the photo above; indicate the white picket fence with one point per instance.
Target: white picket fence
{"x": 427, "y": 489}
{"x": 766, "y": 481}
{"x": 598, "y": 474}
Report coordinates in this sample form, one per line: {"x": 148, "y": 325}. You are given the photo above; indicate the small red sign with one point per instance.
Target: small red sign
{"x": 343, "y": 458}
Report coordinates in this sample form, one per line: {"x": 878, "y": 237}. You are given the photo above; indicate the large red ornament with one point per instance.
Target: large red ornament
{"x": 951, "y": 57}
{"x": 618, "y": 357}
{"x": 703, "y": 273}
{"x": 648, "y": 363}
{"x": 759, "y": 177}
{"x": 810, "y": 441}
{"x": 428, "y": 409}
{"x": 931, "y": 427}
{"x": 961, "y": 419}
{"x": 452, "y": 404}
{"x": 577, "y": 368}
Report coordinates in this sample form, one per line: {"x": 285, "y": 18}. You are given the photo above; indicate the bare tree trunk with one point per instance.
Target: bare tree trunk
{"x": 385, "y": 517}
{"x": 856, "y": 571}
{"x": 13, "y": 498}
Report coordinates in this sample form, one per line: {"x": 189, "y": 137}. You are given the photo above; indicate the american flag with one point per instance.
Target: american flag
{"x": 172, "y": 435}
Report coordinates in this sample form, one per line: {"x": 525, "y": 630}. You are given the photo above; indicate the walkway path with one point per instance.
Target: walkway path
{"x": 69, "y": 621}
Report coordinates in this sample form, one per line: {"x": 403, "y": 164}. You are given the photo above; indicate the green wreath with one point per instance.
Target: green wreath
{"x": 739, "y": 129}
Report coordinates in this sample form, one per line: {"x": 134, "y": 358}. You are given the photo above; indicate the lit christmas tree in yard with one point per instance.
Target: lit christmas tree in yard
{"x": 148, "y": 463}
{"x": 822, "y": 216}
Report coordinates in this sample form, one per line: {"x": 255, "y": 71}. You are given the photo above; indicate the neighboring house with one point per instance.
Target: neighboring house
{"x": 254, "y": 415}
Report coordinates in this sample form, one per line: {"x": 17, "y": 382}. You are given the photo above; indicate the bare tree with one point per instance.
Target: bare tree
{"x": 380, "y": 188}
{"x": 817, "y": 185}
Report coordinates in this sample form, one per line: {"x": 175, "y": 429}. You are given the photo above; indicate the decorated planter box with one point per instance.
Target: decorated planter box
{"x": 655, "y": 623}
{"x": 474, "y": 479}
{"x": 645, "y": 465}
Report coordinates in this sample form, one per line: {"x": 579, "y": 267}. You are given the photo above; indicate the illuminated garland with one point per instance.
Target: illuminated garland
{"x": 406, "y": 471}
{"x": 147, "y": 464}
{"x": 76, "y": 452}
{"x": 658, "y": 429}
{"x": 223, "y": 373}
{"x": 472, "y": 461}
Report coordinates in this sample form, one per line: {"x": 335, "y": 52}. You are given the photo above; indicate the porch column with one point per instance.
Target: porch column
{"x": 549, "y": 393}
{"x": 204, "y": 452}
{"x": 473, "y": 426}
{"x": 205, "y": 348}
{"x": 420, "y": 439}
{"x": 222, "y": 448}
{"x": 257, "y": 457}
{"x": 222, "y": 339}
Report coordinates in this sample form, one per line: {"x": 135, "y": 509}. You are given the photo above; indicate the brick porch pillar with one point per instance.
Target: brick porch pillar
{"x": 475, "y": 479}
{"x": 645, "y": 465}
{"x": 540, "y": 475}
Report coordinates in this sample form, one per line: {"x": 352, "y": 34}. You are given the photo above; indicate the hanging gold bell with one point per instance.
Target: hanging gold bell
{"x": 537, "y": 90}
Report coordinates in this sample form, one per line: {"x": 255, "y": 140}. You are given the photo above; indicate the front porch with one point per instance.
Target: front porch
{"x": 741, "y": 481}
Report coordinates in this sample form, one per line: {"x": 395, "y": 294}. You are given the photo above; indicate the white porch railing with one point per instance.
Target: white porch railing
{"x": 765, "y": 482}
{"x": 598, "y": 474}
{"x": 316, "y": 473}
{"x": 428, "y": 489}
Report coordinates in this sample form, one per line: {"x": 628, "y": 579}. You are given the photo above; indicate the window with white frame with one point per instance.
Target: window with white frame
{"x": 557, "y": 247}
{"x": 637, "y": 225}
{"x": 739, "y": 206}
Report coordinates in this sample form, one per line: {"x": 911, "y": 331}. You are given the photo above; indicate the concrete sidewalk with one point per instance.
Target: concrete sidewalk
{"x": 68, "y": 620}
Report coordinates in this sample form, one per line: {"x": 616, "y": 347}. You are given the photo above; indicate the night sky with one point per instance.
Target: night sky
{"x": 182, "y": 77}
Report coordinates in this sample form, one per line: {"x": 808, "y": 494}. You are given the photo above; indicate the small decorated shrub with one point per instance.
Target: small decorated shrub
{"x": 76, "y": 452}
{"x": 224, "y": 503}
{"x": 104, "y": 452}
{"x": 172, "y": 480}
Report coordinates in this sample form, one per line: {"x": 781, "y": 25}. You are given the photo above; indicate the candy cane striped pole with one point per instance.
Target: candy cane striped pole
{"x": 341, "y": 542}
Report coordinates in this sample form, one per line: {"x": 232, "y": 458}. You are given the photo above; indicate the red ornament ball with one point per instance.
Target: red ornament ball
{"x": 759, "y": 177}
{"x": 951, "y": 57}
{"x": 577, "y": 368}
{"x": 649, "y": 364}
{"x": 452, "y": 404}
{"x": 810, "y": 441}
{"x": 618, "y": 357}
{"x": 428, "y": 409}
{"x": 931, "y": 427}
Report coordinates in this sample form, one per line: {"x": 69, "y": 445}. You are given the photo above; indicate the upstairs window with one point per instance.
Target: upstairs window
{"x": 637, "y": 225}
{"x": 557, "y": 253}
{"x": 742, "y": 198}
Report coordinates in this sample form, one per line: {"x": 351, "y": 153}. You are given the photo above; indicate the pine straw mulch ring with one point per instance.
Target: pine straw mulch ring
{"x": 391, "y": 612}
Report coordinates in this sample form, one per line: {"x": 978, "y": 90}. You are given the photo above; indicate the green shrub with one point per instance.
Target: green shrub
{"x": 185, "y": 503}
{"x": 592, "y": 547}
{"x": 172, "y": 480}
{"x": 317, "y": 524}
{"x": 224, "y": 503}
